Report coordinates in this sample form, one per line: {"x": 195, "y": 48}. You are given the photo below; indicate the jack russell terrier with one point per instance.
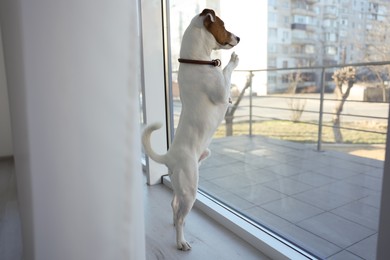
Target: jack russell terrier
{"x": 205, "y": 94}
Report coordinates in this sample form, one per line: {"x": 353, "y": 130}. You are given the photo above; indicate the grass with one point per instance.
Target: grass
{"x": 308, "y": 133}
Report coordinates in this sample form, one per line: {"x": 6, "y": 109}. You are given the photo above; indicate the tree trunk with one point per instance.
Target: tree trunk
{"x": 346, "y": 74}
{"x": 229, "y": 125}
{"x": 229, "y": 116}
{"x": 384, "y": 96}
{"x": 338, "y": 137}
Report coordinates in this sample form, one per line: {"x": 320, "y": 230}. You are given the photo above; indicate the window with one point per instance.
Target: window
{"x": 286, "y": 36}
{"x": 277, "y": 184}
{"x": 271, "y": 48}
{"x": 330, "y": 9}
{"x": 272, "y": 79}
{"x": 300, "y": 19}
{"x": 271, "y": 63}
{"x": 309, "y": 49}
{"x": 330, "y": 23}
{"x": 332, "y": 37}
{"x": 331, "y": 50}
{"x": 286, "y": 19}
{"x": 344, "y": 22}
{"x": 284, "y": 4}
{"x": 272, "y": 33}
{"x": 272, "y": 18}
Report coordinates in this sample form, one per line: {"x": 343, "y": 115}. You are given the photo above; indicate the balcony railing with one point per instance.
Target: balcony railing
{"x": 252, "y": 117}
{"x": 252, "y": 104}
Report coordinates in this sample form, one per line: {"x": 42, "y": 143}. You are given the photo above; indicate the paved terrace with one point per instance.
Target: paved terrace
{"x": 327, "y": 202}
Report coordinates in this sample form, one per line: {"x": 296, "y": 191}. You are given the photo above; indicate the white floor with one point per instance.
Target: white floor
{"x": 209, "y": 240}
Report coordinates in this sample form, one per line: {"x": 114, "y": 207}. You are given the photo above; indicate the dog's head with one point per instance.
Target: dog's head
{"x": 213, "y": 24}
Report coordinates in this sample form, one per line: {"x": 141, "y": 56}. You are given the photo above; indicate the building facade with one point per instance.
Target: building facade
{"x": 306, "y": 33}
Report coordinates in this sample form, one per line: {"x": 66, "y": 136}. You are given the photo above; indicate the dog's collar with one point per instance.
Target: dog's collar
{"x": 215, "y": 63}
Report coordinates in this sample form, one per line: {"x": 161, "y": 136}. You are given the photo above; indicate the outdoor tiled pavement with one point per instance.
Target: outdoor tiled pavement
{"x": 327, "y": 202}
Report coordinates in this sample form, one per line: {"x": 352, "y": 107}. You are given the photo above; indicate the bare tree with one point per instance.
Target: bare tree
{"x": 297, "y": 106}
{"x": 229, "y": 116}
{"x": 344, "y": 75}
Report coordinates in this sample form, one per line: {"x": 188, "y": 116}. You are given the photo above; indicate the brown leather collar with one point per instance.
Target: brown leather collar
{"x": 215, "y": 63}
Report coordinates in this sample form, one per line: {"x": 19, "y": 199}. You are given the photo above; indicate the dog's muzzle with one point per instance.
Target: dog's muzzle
{"x": 234, "y": 40}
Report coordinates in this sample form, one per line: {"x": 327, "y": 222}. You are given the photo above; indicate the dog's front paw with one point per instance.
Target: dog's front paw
{"x": 183, "y": 245}
{"x": 234, "y": 59}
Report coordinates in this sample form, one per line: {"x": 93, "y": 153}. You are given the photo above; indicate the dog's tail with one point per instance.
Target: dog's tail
{"x": 146, "y": 143}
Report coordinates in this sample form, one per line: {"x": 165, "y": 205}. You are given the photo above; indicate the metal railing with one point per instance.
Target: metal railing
{"x": 251, "y": 116}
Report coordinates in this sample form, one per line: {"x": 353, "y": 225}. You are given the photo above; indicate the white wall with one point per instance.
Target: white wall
{"x": 73, "y": 71}
{"x": 5, "y": 123}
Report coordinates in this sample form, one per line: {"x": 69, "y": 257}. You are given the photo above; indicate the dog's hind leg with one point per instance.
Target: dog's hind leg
{"x": 185, "y": 205}
{"x": 175, "y": 208}
{"x": 185, "y": 185}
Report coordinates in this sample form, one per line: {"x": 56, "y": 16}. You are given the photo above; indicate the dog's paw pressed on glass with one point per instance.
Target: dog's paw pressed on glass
{"x": 234, "y": 59}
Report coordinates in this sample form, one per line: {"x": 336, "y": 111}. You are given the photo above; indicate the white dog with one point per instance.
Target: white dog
{"x": 204, "y": 93}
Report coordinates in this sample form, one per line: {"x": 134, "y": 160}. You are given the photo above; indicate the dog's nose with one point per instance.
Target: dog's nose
{"x": 238, "y": 39}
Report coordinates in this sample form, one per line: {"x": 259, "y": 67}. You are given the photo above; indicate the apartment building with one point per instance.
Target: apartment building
{"x": 297, "y": 33}
{"x": 305, "y": 33}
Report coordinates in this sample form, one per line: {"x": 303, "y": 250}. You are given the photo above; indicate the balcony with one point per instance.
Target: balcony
{"x": 312, "y": 1}
{"x": 298, "y": 26}
{"x": 310, "y": 27}
{"x": 297, "y": 39}
{"x": 296, "y": 10}
{"x": 326, "y": 200}
{"x": 300, "y": 193}
{"x": 330, "y": 13}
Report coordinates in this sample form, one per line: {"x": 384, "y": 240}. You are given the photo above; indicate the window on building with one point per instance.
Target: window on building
{"x": 272, "y": 48}
{"x": 309, "y": 49}
{"x": 272, "y": 79}
{"x": 300, "y": 19}
{"x": 329, "y": 36}
{"x": 272, "y": 18}
{"x": 286, "y": 36}
{"x": 272, "y": 33}
{"x": 331, "y": 50}
{"x": 286, "y": 19}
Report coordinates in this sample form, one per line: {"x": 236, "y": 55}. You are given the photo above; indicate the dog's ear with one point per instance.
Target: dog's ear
{"x": 210, "y": 17}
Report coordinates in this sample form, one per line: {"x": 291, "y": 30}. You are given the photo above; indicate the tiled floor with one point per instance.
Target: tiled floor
{"x": 326, "y": 202}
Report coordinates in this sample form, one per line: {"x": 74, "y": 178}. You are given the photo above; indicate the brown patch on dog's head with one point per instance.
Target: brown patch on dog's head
{"x": 216, "y": 27}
